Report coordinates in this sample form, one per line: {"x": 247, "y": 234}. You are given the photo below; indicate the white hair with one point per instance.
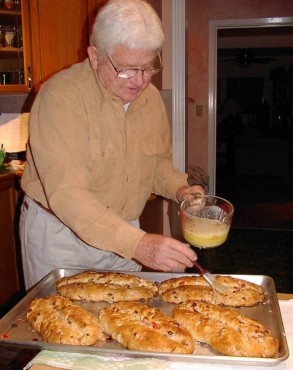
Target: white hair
{"x": 132, "y": 23}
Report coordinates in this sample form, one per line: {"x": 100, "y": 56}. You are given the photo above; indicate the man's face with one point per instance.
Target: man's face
{"x": 127, "y": 89}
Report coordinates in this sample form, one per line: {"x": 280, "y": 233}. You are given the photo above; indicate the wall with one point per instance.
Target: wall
{"x": 13, "y": 103}
{"x": 198, "y": 15}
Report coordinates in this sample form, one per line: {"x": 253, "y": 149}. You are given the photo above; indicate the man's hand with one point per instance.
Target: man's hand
{"x": 185, "y": 191}
{"x": 163, "y": 253}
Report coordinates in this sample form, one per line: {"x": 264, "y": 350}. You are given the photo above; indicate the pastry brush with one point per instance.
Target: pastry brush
{"x": 210, "y": 279}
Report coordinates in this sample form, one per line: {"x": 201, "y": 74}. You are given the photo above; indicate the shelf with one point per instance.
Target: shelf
{"x": 11, "y": 50}
{"x": 11, "y": 12}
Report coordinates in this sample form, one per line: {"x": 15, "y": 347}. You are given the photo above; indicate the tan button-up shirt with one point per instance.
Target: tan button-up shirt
{"x": 95, "y": 164}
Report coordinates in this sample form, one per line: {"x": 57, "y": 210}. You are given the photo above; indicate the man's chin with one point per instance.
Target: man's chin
{"x": 129, "y": 97}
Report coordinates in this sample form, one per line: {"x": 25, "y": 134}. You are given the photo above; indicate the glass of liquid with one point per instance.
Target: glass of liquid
{"x": 206, "y": 220}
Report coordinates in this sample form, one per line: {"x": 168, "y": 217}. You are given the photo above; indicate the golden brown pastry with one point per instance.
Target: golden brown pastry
{"x": 106, "y": 286}
{"x": 240, "y": 292}
{"x": 58, "y": 320}
{"x": 139, "y": 327}
{"x": 226, "y": 330}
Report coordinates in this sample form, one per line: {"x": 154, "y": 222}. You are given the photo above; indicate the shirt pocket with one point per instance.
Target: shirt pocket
{"x": 152, "y": 147}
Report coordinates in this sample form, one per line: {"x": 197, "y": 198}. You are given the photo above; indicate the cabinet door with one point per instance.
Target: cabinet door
{"x": 9, "y": 276}
{"x": 93, "y": 8}
{"x": 60, "y": 34}
{"x": 15, "y": 57}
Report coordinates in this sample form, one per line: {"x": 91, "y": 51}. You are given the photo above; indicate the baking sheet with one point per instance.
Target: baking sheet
{"x": 14, "y": 329}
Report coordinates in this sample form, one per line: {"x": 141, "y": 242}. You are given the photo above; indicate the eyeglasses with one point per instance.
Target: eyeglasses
{"x": 131, "y": 72}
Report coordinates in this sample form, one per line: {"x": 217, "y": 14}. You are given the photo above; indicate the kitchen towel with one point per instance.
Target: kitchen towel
{"x": 77, "y": 361}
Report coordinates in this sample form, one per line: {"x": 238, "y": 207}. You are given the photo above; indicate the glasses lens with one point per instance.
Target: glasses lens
{"x": 151, "y": 71}
{"x": 127, "y": 73}
{"x": 147, "y": 72}
{"x": 156, "y": 68}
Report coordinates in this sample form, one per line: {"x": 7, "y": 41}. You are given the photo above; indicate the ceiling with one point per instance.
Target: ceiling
{"x": 255, "y": 37}
{"x": 255, "y": 45}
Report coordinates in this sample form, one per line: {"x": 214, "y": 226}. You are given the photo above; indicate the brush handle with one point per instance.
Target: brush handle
{"x": 200, "y": 269}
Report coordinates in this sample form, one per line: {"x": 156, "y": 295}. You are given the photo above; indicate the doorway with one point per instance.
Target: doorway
{"x": 250, "y": 157}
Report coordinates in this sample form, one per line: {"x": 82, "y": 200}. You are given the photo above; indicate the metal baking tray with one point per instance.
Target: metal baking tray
{"x": 15, "y": 330}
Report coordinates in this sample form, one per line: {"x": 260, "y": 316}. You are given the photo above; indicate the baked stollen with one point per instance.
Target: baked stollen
{"x": 58, "y": 320}
{"x": 226, "y": 330}
{"x": 139, "y": 327}
{"x": 240, "y": 292}
{"x": 106, "y": 286}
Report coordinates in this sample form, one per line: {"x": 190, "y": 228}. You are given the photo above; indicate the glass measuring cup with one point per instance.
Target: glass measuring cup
{"x": 206, "y": 220}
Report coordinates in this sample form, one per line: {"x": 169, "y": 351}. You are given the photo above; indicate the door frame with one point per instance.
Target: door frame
{"x": 214, "y": 26}
{"x": 178, "y": 85}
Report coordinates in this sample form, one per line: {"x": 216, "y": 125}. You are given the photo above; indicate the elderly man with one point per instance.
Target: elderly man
{"x": 99, "y": 146}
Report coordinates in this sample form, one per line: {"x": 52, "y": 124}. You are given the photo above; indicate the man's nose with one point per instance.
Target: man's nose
{"x": 138, "y": 78}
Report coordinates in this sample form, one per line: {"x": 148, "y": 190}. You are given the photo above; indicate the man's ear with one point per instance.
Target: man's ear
{"x": 93, "y": 56}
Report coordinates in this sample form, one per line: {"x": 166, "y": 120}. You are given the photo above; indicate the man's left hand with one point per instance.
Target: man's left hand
{"x": 186, "y": 191}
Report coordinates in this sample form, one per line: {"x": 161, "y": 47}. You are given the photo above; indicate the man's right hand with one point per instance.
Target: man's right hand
{"x": 163, "y": 253}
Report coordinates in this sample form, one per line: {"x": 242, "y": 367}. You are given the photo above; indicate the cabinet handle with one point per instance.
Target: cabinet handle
{"x": 29, "y": 78}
